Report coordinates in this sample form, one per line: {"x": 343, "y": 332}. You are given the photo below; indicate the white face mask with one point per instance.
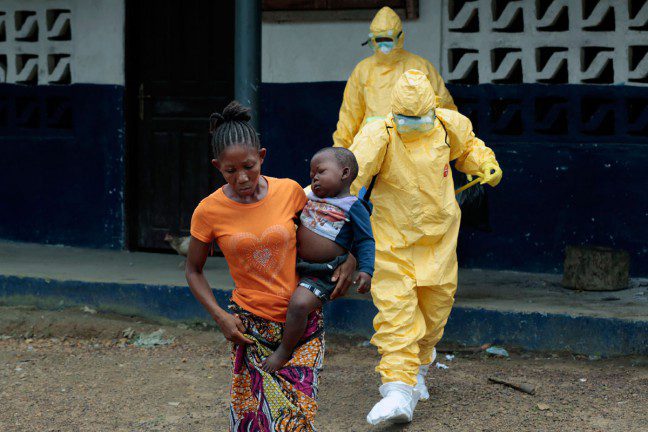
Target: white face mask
{"x": 385, "y": 47}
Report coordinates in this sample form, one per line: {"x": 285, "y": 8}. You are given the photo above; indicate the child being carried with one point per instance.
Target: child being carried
{"x": 332, "y": 223}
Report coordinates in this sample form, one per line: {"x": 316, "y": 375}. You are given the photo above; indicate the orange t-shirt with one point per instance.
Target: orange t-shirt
{"x": 259, "y": 243}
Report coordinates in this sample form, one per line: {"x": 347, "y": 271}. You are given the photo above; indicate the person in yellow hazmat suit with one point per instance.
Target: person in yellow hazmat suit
{"x": 368, "y": 90}
{"x": 415, "y": 222}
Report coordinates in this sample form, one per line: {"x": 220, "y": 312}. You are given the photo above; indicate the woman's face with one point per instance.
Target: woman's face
{"x": 241, "y": 168}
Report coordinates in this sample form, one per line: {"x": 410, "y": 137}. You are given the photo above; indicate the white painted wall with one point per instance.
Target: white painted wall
{"x": 328, "y": 51}
{"x": 99, "y": 52}
{"x": 615, "y": 47}
{"x": 324, "y": 51}
{"x": 95, "y": 53}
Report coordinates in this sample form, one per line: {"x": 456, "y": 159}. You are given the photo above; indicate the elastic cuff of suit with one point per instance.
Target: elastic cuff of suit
{"x": 427, "y": 360}
{"x": 489, "y": 161}
{"x": 404, "y": 379}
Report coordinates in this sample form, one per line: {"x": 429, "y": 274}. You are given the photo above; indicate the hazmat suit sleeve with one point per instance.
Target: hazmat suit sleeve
{"x": 369, "y": 148}
{"x": 352, "y": 112}
{"x": 469, "y": 151}
{"x": 445, "y": 99}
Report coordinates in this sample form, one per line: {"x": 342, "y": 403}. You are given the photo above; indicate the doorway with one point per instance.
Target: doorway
{"x": 179, "y": 69}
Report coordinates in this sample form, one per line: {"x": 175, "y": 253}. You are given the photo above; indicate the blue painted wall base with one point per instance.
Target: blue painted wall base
{"x": 573, "y": 159}
{"x": 62, "y": 169}
{"x": 468, "y": 326}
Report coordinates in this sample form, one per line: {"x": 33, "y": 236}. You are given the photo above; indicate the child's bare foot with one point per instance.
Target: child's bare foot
{"x": 275, "y": 361}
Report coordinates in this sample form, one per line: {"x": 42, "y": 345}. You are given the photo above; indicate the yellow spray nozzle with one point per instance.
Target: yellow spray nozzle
{"x": 467, "y": 185}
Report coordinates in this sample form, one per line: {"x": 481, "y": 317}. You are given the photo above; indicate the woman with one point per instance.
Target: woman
{"x": 252, "y": 218}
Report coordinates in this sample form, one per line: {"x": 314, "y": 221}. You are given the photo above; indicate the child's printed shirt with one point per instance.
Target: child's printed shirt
{"x": 345, "y": 221}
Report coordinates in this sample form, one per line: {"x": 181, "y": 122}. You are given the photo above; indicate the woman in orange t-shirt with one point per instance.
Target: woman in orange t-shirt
{"x": 252, "y": 218}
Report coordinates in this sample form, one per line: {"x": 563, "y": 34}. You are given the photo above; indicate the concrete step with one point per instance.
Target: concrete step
{"x": 526, "y": 310}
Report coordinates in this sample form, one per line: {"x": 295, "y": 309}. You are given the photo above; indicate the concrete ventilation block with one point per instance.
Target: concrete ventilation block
{"x": 594, "y": 268}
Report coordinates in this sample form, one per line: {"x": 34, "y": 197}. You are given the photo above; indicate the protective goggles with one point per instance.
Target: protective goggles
{"x": 407, "y": 124}
{"x": 383, "y": 41}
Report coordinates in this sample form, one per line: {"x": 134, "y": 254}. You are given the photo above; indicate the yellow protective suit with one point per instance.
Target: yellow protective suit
{"x": 368, "y": 91}
{"x": 415, "y": 223}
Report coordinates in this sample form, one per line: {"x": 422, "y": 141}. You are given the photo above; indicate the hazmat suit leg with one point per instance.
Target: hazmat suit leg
{"x": 435, "y": 301}
{"x": 411, "y": 318}
{"x": 399, "y": 324}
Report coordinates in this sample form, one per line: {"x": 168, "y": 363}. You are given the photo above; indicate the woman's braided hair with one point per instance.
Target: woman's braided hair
{"x": 232, "y": 128}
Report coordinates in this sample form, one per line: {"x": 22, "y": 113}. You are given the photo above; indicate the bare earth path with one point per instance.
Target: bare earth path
{"x": 74, "y": 371}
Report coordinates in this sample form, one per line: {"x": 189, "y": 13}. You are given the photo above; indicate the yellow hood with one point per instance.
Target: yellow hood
{"x": 386, "y": 19}
{"x": 413, "y": 94}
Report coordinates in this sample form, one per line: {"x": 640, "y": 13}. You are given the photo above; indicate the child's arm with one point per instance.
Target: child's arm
{"x": 364, "y": 245}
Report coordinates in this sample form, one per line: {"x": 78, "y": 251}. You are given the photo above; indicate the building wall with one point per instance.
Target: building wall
{"x": 328, "y": 51}
{"x": 557, "y": 88}
{"x": 61, "y": 121}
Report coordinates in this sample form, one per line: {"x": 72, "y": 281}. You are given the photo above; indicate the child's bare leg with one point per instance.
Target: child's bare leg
{"x": 302, "y": 303}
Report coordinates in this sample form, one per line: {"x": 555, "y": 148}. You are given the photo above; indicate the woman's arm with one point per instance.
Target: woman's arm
{"x": 230, "y": 325}
{"x": 343, "y": 274}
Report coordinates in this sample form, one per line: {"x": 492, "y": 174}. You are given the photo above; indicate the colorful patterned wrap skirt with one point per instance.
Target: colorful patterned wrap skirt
{"x": 287, "y": 399}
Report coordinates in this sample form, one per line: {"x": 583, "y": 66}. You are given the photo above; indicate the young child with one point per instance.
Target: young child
{"x": 332, "y": 223}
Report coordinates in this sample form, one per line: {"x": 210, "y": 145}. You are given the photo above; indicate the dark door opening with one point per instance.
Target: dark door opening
{"x": 179, "y": 69}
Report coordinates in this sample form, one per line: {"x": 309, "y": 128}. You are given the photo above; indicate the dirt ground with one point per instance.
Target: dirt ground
{"x": 75, "y": 371}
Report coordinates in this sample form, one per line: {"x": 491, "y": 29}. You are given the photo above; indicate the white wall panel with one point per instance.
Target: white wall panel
{"x": 328, "y": 51}
{"x": 62, "y": 41}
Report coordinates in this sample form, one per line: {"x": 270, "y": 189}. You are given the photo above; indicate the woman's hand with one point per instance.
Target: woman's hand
{"x": 231, "y": 325}
{"x": 343, "y": 274}
{"x": 233, "y": 329}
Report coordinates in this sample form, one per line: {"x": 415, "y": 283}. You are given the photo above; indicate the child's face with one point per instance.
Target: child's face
{"x": 328, "y": 178}
{"x": 241, "y": 168}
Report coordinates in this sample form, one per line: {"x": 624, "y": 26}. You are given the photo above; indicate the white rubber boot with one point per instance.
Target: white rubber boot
{"x": 397, "y": 404}
{"x": 420, "y": 378}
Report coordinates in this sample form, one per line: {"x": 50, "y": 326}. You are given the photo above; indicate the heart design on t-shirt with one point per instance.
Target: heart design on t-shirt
{"x": 262, "y": 256}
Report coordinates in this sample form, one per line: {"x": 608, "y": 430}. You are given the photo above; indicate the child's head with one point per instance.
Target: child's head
{"x": 237, "y": 151}
{"x": 332, "y": 171}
